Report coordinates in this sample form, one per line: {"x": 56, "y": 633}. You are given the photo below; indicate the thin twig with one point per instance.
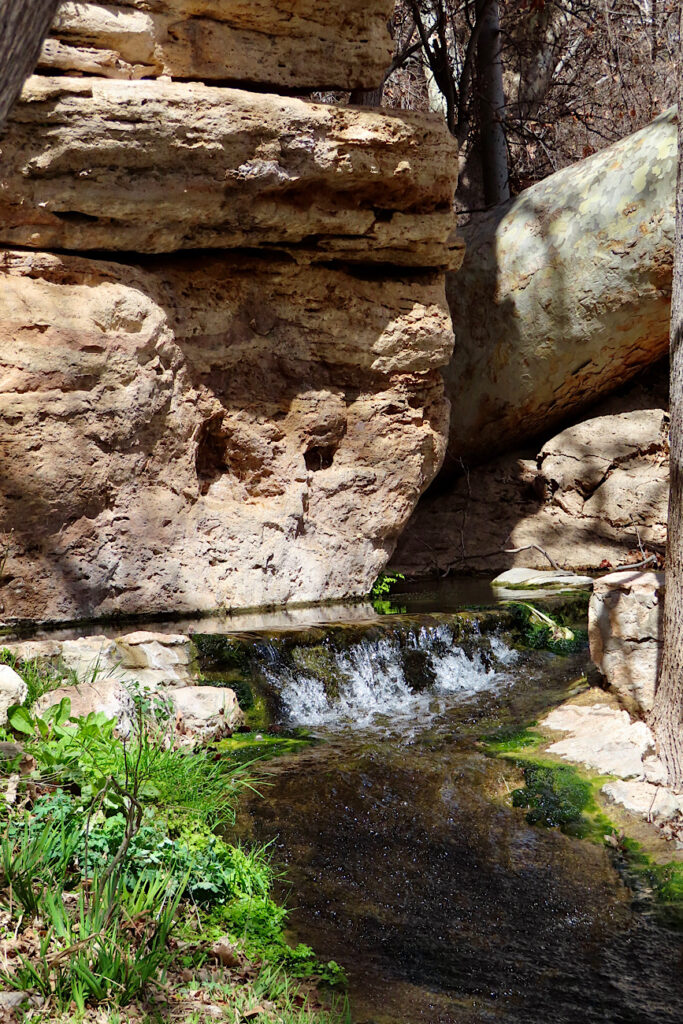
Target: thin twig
{"x": 528, "y": 547}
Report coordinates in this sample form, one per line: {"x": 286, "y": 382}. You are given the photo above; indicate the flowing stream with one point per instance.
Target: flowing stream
{"x": 405, "y": 861}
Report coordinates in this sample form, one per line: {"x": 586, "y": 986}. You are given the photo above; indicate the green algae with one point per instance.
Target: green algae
{"x": 568, "y": 798}
{"x": 246, "y": 747}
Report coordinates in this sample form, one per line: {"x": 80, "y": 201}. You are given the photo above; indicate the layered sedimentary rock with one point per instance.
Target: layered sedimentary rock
{"x": 564, "y": 293}
{"x": 595, "y": 493}
{"x": 282, "y": 43}
{"x": 222, "y": 389}
{"x": 160, "y": 166}
{"x": 210, "y": 431}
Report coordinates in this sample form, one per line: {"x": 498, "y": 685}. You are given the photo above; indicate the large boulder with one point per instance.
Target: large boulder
{"x": 157, "y": 166}
{"x": 242, "y": 405}
{"x": 283, "y": 43}
{"x": 564, "y": 294}
{"x": 596, "y": 494}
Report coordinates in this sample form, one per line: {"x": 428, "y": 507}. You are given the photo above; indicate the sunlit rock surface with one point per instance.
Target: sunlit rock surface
{"x": 207, "y": 432}
{"x": 564, "y": 294}
{"x": 221, "y": 387}
{"x": 282, "y": 43}
{"x": 625, "y": 623}
{"x": 156, "y": 166}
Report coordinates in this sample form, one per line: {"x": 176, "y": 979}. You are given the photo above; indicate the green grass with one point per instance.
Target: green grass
{"x": 111, "y": 846}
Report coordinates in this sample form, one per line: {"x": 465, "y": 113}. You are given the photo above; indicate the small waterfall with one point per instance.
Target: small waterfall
{"x": 375, "y": 679}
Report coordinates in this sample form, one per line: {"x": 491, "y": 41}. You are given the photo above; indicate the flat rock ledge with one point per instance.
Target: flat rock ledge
{"x": 610, "y": 742}
{"x": 111, "y": 672}
{"x": 540, "y": 579}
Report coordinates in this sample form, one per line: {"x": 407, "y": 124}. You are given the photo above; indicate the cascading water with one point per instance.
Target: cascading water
{"x": 406, "y": 860}
{"x": 400, "y": 675}
{"x": 404, "y": 676}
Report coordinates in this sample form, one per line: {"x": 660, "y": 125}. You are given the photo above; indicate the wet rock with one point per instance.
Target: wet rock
{"x": 624, "y": 623}
{"x": 541, "y": 579}
{"x": 13, "y": 690}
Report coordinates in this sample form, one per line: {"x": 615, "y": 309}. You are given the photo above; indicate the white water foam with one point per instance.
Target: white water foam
{"x": 372, "y": 685}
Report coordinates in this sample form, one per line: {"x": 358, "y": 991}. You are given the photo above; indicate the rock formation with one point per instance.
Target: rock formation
{"x": 579, "y": 267}
{"x": 282, "y": 43}
{"x": 594, "y": 493}
{"x": 625, "y": 625}
{"x": 247, "y": 413}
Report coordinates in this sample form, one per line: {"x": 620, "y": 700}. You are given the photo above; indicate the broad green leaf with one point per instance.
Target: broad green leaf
{"x": 21, "y": 720}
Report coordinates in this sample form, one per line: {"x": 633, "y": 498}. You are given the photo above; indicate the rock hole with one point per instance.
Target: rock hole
{"x": 210, "y": 455}
{"x": 319, "y": 457}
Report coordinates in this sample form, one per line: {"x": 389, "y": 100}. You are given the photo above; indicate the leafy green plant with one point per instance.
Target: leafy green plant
{"x": 383, "y": 584}
{"x": 108, "y": 948}
{"x": 32, "y": 863}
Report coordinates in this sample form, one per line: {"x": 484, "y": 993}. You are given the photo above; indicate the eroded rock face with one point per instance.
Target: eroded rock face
{"x": 579, "y": 268}
{"x": 242, "y": 405}
{"x": 282, "y": 43}
{"x": 594, "y": 494}
{"x": 155, "y": 167}
{"x": 207, "y": 432}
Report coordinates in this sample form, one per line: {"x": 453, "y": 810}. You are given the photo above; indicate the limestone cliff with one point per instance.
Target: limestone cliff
{"x": 222, "y": 386}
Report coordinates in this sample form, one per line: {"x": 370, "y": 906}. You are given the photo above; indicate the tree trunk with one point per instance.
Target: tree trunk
{"x": 667, "y": 712}
{"x": 23, "y": 26}
{"x": 367, "y": 97}
{"x": 494, "y": 153}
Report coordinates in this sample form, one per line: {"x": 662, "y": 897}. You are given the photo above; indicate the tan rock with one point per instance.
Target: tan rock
{"x": 624, "y": 623}
{"x": 283, "y": 43}
{"x": 141, "y": 660}
{"x": 157, "y": 166}
{"x": 595, "y": 493}
{"x": 654, "y": 803}
{"x": 576, "y": 277}
{"x": 105, "y": 695}
{"x": 602, "y": 738}
{"x": 205, "y": 712}
{"x": 200, "y": 433}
